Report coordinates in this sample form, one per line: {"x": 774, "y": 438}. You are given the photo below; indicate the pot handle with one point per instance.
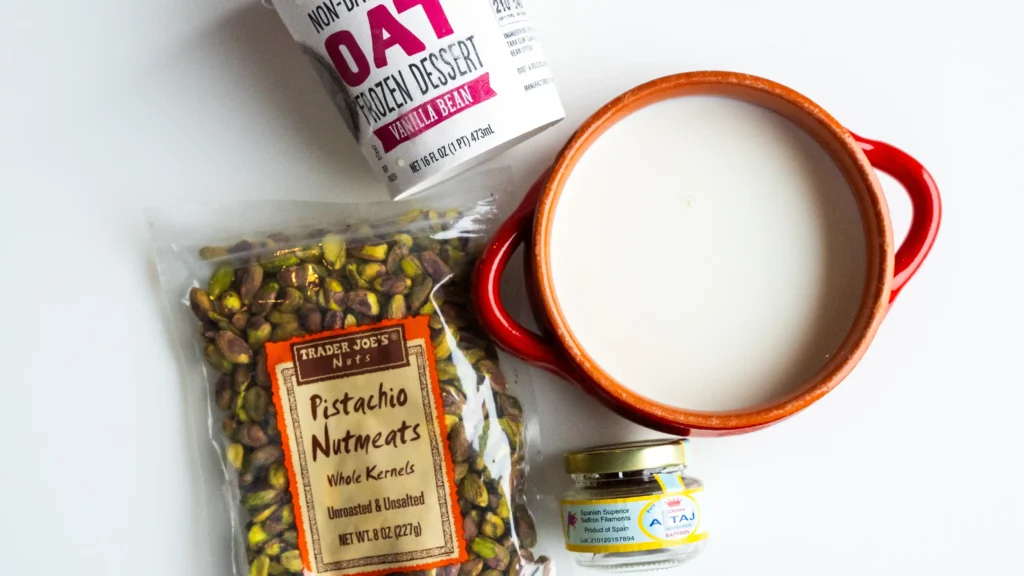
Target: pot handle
{"x": 925, "y": 203}
{"x": 502, "y": 327}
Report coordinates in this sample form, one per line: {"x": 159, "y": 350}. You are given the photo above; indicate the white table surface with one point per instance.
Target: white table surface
{"x": 913, "y": 466}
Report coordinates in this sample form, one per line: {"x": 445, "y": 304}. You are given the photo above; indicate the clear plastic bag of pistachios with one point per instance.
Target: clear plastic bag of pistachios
{"x": 359, "y": 413}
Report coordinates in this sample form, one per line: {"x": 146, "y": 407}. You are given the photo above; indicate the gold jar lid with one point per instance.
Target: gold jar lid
{"x": 627, "y": 457}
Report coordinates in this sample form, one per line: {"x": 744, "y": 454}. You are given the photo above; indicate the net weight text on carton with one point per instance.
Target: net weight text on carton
{"x": 452, "y": 148}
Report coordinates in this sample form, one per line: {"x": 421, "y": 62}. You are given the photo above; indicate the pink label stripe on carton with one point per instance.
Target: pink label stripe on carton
{"x": 434, "y": 111}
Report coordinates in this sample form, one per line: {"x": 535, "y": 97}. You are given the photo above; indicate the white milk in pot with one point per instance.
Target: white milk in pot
{"x": 708, "y": 254}
{"x": 428, "y": 87}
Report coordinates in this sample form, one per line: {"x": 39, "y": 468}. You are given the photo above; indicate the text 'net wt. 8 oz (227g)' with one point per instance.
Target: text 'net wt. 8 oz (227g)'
{"x": 364, "y": 421}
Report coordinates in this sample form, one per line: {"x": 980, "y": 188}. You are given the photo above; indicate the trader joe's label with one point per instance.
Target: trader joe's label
{"x": 361, "y": 414}
{"x": 427, "y": 85}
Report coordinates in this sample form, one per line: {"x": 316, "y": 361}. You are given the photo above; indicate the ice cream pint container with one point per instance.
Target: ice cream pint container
{"x": 428, "y": 87}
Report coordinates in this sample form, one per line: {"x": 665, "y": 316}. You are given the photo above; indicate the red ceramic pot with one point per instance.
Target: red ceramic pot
{"x": 559, "y": 350}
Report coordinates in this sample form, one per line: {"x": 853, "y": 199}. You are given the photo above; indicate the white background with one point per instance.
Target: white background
{"x": 913, "y": 466}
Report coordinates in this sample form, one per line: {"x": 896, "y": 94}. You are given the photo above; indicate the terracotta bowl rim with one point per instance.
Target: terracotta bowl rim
{"x": 863, "y": 183}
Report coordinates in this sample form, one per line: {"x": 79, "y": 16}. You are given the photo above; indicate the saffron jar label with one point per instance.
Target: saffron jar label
{"x": 634, "y": 524}
{"x": 362, "y": 421}
{"x": 425, "y": 86}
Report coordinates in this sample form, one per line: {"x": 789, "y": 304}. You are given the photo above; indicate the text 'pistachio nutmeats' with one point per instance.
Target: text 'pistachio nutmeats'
{"x": 427, "y": 86}
{"x": 364, "y": 412}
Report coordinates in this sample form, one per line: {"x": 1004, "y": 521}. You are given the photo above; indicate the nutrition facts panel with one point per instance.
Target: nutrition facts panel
{"x": 523, "y": 43}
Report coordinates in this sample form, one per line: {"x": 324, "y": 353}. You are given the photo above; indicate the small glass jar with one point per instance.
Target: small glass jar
{"x": 633, "y": 508}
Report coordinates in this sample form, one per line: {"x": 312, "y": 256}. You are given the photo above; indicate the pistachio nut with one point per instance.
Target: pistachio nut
{"x": 309, "y": 253}
{"x": 434, "y": 266}
{"x": 334, "y": 294}
{"x": 426, "y": 243}
{"x": 455, "y": 258}
{"x": 403, "y": 240}
{"x": 235, "y": 454}
{"x": 446, "y": 371}
{"x": 395, "y": 256}
{"x": 246, "y": 478}
{"x": 278, "y": 261}
{"x": 472, "y": 488}
{"x": 241, "y": 378}
{"x": 449, "y": 421}
{"x": 501, "y": 508}
{"x": 239, "y": 321}
{"x": 509, "y": 407}
{"x": 277, "y": 476}
{"x": 311, "y": 318}
{"x": 334, "y": 320}
{"x": 212, "y": 252}
{"x": 435, "y": 321}
{"x": 470, "y": 525}
{"x": 291, "y": 299}
{"x": 265, "y": 455}
{"x": 256, "y": 402}
{"x": 300, "y": 276}
{"x": 525, "y": 529}
{"x": 514, "y": 431}
{"x": 234, "y": 349}
{"x": 201, "y": 303}
{"x": 273, "y": 547}
{"x": 410, "y": 216}
{"x": 364, "y": 302}
{"x": 261, "y": 498}
{"x": 489, "y": 369}
{"x": 454, "y": 315}
{"x": 277, "y": 316}
{"x": 264, "y": 298}
{"x": 458, "y": 443}
{"x": 223, "y": 394}
{"x": 392, "y": 285}
{"x": 257, "y": 332}
{"x": 291, "y": 561}
{"x": 262, "y": 515}
{"x": 370, "y": 271}
{"x": 241, "y": 247}
{"x": 420, "y": 293}
{"x": 216, "y": 358}
{"x": 221, "y": 281}
{"x": 492, "y": 527}
{"x": 461, "y": 469}
{"x": 355, "y": 281}
{"x": 260, "y": 566}
{"x": 286, "y": 331}
{"x": 453, "y": 399}
{"x": 442, "y": 349}
{"x": 471, "y": 354}
{"x": 493, "y": 554}
{"x": 375, "y": 252}
{"x": 251, "y": 435}
{"x": 396, "y": 308}
{"x": 411, "y": 267}
{"x": 479, "y": 464}
{"x": 282, "y": 519}
{"x": 473, "y": 567}
{"x": 334, "y": 251}
{"x": 257, "y": 536}
{"x": 250, "y": 278}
